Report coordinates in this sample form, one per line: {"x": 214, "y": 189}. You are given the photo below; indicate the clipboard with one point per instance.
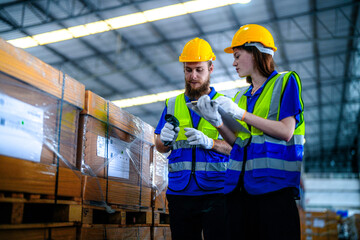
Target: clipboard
{"x": 228, "y": 120}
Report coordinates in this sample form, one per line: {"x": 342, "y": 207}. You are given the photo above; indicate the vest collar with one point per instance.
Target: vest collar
{"x": 259, "y": 91}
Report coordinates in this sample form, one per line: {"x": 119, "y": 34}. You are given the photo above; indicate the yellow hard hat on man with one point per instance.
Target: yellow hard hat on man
{"x": 252, "y": 35}
{"x": 197, "y": 50}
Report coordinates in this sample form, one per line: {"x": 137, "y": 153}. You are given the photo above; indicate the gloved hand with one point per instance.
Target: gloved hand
{"x": 195, "y": 137}
{"x": 168, "y": 133}
{"x": 230, "y": 107}
{"x": 209, "y": 110}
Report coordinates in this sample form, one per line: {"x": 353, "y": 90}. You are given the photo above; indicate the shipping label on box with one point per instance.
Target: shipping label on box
{"x": 21, "y": 129}
{"x": 319, "y": 223}
{"x": 118, "y": 158}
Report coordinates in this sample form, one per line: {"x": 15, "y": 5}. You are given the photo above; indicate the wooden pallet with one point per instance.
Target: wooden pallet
{"x": 92, "y": 215}
{"x": 38, "y": 231}
{"x": 20, "y": 208}
{"x": 106, "y": 231}
{"x": 161, "y": 219}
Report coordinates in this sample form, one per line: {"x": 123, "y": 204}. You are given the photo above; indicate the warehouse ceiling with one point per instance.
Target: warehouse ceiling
{"x": 319, "y": 39}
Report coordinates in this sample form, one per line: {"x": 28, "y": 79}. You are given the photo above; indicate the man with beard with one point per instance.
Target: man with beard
{"x": 199, "y": 156}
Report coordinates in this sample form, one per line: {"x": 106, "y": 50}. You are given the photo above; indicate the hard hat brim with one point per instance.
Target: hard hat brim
{"x": 184, "y": 59}
{"x": 229, "y": 49}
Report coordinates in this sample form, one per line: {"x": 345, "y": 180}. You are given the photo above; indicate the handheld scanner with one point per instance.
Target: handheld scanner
{"x": 173, "y": 121}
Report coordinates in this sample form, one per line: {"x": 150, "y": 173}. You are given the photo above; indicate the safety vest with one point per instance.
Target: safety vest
{"x": 271, "y": 164}
{"x": 208, "y": 167}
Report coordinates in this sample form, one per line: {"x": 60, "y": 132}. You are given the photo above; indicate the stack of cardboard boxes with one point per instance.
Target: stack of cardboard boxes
{"x": 114, "y": 154}
{"x": 71, "y": 162}
{"x": 319, "y": 225}
{"x": 39, "y": 111}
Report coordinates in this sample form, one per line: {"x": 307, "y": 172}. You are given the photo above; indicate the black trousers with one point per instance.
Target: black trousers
{"x": 259, "y": 217}
{"x": 192, "y": 216}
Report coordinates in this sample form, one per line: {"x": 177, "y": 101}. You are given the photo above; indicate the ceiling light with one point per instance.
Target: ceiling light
{"x": 97, "y": 27}
{"x": 165, "y": 12}
{"x": 25, "y": 42}
{"x": 126, "y": 21}
{"x": 159, "y": 97}
{"x": 122, "y": 22}
{"x": 51, "y": 37}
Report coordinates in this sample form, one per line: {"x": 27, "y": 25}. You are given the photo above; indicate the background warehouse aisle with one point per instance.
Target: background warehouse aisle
{"x": 317, "y": 39}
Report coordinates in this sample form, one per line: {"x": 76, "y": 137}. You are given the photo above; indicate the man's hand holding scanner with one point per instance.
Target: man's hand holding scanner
{"x": 169, "y": 134}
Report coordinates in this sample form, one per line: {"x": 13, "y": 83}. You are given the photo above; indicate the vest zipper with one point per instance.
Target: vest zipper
{"x": 242, "y": 174}
{"x": 193, "y": 161}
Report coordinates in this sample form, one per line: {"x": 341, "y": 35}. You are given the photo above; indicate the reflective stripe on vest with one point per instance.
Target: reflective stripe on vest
{"x": 239, "y": 95}
{"x": 181, "y": 144}
{"x": 171, "y": 106}
{"x": 295, "y": 140}
{"x": 199, "y": 166}
{"x": 270, "y": 163}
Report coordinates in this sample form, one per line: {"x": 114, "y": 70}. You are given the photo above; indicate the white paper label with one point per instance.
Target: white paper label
{"x": 118, "y": 159}
{"x": 320, "y": 223}
{"x": 21, "y": 129}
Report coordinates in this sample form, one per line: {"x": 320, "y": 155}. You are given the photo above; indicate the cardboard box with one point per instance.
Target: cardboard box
{"x": 319, "y": 225}
{"x": 115, "y": 154}
{"x": 39, "y": 116}
{"x": 40, "y": 109}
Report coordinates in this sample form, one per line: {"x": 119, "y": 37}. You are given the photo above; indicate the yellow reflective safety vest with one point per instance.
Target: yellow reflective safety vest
{"x": 208, "y": 167}
{"x": 271, "y": 164}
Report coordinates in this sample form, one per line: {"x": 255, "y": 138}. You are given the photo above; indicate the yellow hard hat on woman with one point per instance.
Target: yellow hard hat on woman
{"x": 197, "y": 50}
{"x": 253, "y": 35}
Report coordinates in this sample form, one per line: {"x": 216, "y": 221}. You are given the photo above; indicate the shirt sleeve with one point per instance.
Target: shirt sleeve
{"x": 290, "y": 102}
{"x": 161, "y": 122}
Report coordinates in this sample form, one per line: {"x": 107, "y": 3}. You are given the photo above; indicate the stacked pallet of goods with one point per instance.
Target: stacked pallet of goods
{"x": 40, "y": 186}
{"x": 72, "y": 164}
{"x": 114, "y": 154}
{"x": 319, "y": 225}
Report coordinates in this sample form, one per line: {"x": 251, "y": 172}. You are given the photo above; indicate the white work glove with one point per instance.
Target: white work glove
{"x": 195, "y": 137}
{"x": 209, "y": 110}
{"x": 230, "y": 107}
{"x": 168, "y": 133}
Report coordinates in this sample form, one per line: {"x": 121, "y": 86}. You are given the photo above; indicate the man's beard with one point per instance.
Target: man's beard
{"x": 197, "y": 93}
